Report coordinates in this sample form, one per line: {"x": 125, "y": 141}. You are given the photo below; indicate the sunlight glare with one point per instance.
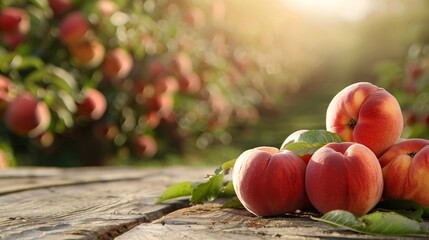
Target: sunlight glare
{"x": 338, "y": 9}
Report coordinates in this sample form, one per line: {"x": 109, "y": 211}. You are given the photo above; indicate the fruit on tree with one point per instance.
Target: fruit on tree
{"x": 88, "y": 52}
{"x": 14, "y": 20}
{"x": 146, "y": 146}
{"x": 73, "y": 28}
{"x": 7, "y": 88}
{"x": 60, "y": 7}
{"x": 117, "y": 63}
{"x": 91, "y": 105}
{"x": 344, "y": 176}
{"x": 367, "y": 114}
{"x": 406, "y": 170}
{"x": 270, "y": 182}
{"x": 27, "y": 116}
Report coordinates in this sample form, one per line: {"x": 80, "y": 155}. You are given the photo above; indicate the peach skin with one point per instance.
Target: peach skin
{"x": 406, "y": 171}
{"x": 366, "y": 114}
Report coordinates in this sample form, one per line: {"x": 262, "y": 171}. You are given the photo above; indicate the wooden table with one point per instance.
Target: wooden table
{"x": 119, "y": 203}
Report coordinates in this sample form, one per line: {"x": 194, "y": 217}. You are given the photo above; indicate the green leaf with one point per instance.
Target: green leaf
{"x": 176, "y": 190}
{"x": 383, "y": 223}
{"x": 310, "y": 141}
{"x": 233, "y": 203}
{"x": 228, "y": 165}
{"x": 228, "y": 189}
{"x": 208, "y": 191}
{"x": 407, "y": 208}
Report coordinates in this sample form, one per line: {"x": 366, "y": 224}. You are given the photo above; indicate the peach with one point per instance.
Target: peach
{"x": 7, "y": 88}
{"x": 270, "y": 182}
{"x": 92, "y": 105}
{"x": 117, "y": 63}
{"x": 190, "y": 82}
{"x": 27, "y": 116}
{"x": 3, "y": 160}
{"x": 13, "y": 40}
{"x": 73, "y": 28}
{"x": 59, "y": 7}
{"x": 88, "y": 52}
{"x": 367, "y": 114}
{"x": 106, "y": 7}
{"x": 166, "y": 84}
{"x": 14, "y": 20}
{"x": 344, "y": 176}
{"x": 293, "y": 137}
{"x": 146, "y": 146}
{"x": 406, "y": 170}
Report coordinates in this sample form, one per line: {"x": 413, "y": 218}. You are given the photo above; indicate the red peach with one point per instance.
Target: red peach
{"x": 166, "y": 84}
{"x": 117, "y": 63}
{"x": 73, "y": 28}
{"x": 190, "y": 82}
{"x": 106, "y": 7}
{"x": 146, "y": 146}
{"x": 14, "y": 20}
{"x": 92, "y": 105}
{"x": 59, "y": 7}
{"x": 182, "y": 63}
{"x": 367, "y": 114}
{"x": 6, "y": 91}
{"x": 3, "y": 161}
{"x": 87, "y": 52}
{"x": 344, "y": 176}
{"x": 27, "y": 116}
{"x": 270, "y": 182}
{"x": 406, "y": 170}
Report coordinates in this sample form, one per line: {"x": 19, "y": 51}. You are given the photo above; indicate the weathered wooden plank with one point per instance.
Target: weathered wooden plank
{"x": 85, "y": 203}
{"x": 210, "y": 221}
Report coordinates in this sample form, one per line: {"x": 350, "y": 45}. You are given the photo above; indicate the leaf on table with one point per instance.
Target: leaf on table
{"x": 310, "y": 141}
{"x": 228, "y": 190}
{"x": 407, "y": 208}
{"x": 176, "y": 190}
{"x": 209, "y": 190}
{"x": 233, "y": 203}
{"x": 383, "y": 223}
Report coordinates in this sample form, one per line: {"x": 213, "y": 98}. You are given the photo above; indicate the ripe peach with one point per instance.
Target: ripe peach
{"x": 367, "y": 114}
{"x": 14, "y": 20}
{"x": 182, "y": 63}
{"x": 270, "y": 182}
{"x": 106, "y": 7}
{"x": 73, "y": 28}
{"x": 406, "y": 170}
{"x": 146, "y": 146}
{"x": 92, "y": 105}
{"x": 293, "y": 137}
{"x": 59, "y": 7}
{"x": 190, "y": 82}
{"x": 6, "y": 91}
{"x": 13, "y": 40}
{"x": 3, "y": 160}
{"x": 27, "y": 116}
{"x": 117, "y": 63}
{"x": 88, "y": 52}
{"x": 166, "y": 84}
{"x": 344, "y": 176}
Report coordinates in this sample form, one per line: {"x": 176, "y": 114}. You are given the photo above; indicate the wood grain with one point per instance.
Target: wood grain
{"x": 85, "y": 203}
{"x": 210, "y": 221}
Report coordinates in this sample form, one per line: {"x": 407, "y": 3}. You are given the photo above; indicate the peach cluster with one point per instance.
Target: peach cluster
{"x": 371, "y": 164}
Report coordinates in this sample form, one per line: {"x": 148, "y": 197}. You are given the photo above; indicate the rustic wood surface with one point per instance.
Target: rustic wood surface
{"x": 119, "y": 203}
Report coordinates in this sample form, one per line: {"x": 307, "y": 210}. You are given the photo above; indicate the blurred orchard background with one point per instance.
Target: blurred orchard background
{"x": 158, "y": 82}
